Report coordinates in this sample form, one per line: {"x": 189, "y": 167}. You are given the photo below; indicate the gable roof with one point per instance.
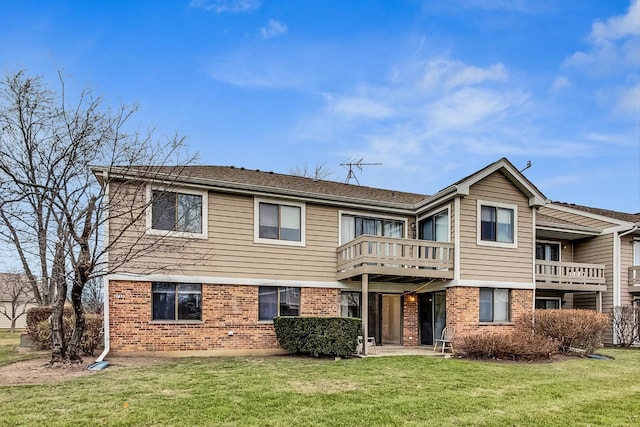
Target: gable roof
{"x": 461, "y": 187}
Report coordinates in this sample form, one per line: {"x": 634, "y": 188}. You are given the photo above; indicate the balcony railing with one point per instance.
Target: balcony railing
{"x": 634, "y": 276}
{"x": 394, "y": 257}
{"x": 570, "y": 273}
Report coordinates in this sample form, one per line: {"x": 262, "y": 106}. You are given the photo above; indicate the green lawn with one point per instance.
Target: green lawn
{"x": 295, "y": 391}
{"x": 9, "y": 353}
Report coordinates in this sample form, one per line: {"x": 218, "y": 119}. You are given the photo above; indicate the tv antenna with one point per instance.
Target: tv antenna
{"x": 351, "y": 164}
{"x": 526, "y": 167}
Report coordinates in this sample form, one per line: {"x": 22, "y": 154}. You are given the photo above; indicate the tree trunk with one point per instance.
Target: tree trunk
{"x": 83, "y": 268}
{"x": 58, "y": 350}
{"x": 75, "y": 344}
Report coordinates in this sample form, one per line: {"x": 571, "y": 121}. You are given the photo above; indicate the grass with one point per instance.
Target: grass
{"x": 9, "y": 353}
{"x": 285, "y": 391}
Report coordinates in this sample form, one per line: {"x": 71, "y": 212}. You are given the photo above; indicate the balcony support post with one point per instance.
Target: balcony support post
{"x": 364, "y": 309}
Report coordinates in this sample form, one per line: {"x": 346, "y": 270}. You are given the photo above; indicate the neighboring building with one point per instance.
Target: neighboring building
{"x": 16, "y": 298}
{"x": 242, "y": 246}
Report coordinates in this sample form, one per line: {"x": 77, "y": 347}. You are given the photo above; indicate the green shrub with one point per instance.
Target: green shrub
{"x": 318, "y": 336}
{"x": 516, "y": 345}
{"x": 582, "y": 329}
{"x": 91, "y": 339}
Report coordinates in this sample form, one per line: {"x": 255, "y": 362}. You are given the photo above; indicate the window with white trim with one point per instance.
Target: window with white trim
{"x": 274, "y": 301}
{"x": 495, "y": 305}
{"x": 279, "y": 222}
{"x": 636, "y": 253}
{"x": 180, "y": 213}
{"x": 497, "y": 224}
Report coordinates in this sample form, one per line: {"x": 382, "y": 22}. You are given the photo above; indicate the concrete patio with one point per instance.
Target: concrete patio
{"x": 398, "y": 350}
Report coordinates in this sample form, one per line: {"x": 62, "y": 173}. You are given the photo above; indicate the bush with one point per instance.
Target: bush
{"x": 582, "y": 329}
{"x": 626, "y": 324}
{"x": 91, "y": 339}
{"x": 316, "y": 336}
{"x": 516, "y": 345}
{"x": 39, "y": 314}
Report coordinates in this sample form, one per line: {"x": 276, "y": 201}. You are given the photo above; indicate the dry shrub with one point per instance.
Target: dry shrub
{"x": 91, "y": 339}
{"x": 516, "y": 345}
{"x": 626, "y": 324}
{"x": 582, "y": 329}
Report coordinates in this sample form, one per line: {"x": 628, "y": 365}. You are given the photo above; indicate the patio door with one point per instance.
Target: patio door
{"x": 391, "y": 319}
{"x": 432, "y": 312}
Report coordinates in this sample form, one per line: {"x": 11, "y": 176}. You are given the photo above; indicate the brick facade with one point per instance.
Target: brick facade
{"x": 225, "y": 308}
{"x": 410, "y": 320}
{"x": 463, "y": 310}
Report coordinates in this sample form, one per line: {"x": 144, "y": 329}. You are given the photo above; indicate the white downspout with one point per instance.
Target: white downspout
{"x": 107, "y": 343}
{"x": 105, "y": 289}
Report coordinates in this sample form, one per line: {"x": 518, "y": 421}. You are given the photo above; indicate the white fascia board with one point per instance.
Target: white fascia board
{"x": 491, "y": 284}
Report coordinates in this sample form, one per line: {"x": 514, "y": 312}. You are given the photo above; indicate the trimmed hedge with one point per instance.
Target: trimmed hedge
{"x": 318, "y": 336}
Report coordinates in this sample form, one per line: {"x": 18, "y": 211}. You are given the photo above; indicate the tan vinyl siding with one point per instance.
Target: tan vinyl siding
{"x": 576, "y": 218}
{"x": 586, "y": 301}
{"x": 598, "y": 250}
{"x": 21, "y": 322}
{"x": 494, "y": 263}
{"x": 626, "y": 261}
{"x": 230, "y": 251}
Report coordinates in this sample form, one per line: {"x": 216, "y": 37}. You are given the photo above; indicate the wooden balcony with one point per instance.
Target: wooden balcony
{"x": 570, "y": 276}
{"x": 634, "y": 279}
{"x": 389, "y": 259}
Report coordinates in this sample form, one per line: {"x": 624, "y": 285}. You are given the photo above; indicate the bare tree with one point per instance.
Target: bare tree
{"x": 93, "y": 298}
{"x": 53, "y": 210}
{"x": 626, "y": 325}
{"x": 15, "y": 297}
{"x": 319, "y": 172}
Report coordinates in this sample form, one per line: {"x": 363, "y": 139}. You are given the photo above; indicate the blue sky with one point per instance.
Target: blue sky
{"x": 433, "y": 90}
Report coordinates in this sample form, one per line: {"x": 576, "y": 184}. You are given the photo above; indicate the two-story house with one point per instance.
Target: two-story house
{"x": 240, "y": 247}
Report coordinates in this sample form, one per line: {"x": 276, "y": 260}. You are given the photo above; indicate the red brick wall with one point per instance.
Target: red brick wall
{"x": 224, "y": 308}
{"x": 463, "y": 310}
{"x": 410, "y": 320}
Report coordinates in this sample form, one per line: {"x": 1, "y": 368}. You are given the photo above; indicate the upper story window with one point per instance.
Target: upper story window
{"x": 279, "y": 222}
{"x": 497, "y": 224}
{"x": 352, "y": 226}
{"x": 636, "y": 253}
{"x": 181, "y": 213}
{"x": 548, "y": 251}
{"x": 435, "y": 227}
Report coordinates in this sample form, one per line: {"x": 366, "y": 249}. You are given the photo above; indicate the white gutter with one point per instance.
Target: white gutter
{"x": 105, "y": 289}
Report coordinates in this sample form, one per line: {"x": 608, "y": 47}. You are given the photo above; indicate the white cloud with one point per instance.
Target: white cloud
{"x": 229, "y": 6}
{"x": 614, "y": 44}
{"x": 559, "y": 83}
{"x": 629, "y": 101}
{"x": 451, "y": 74}
{"x": 358, "y": 107}
{"x": 274, "y": 28}
{"x": 617, "y": 27}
